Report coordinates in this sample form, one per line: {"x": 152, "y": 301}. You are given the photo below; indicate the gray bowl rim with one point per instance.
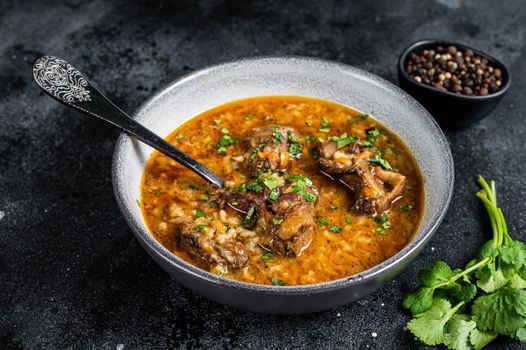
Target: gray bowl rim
{"x": 424, "y": 42}
{"x": 222, "y": 282}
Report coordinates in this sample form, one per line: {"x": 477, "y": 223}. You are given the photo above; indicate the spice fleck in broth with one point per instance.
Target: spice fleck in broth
{"x": 315, "y": 192}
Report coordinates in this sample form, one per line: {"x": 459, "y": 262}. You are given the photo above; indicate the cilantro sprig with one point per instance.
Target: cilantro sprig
{"x": 468, "y": 308}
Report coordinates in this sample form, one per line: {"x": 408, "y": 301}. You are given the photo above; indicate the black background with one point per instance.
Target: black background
{"x": 71, "y": 273}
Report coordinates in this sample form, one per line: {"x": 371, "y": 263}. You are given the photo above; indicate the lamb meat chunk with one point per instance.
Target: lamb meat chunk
{"x": 294, "y": 234}
{"x": 285, "y": 224}
{"x": 199, "y": 241}
{"x": 373, "y": 189}
{"x": 269, "y": 149}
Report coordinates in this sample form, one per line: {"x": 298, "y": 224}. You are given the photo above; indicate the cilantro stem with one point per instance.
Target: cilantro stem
{"x": 463, "y": 273}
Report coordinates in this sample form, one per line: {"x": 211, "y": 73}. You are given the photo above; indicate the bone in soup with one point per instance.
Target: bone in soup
{"x": 315, "y": 191}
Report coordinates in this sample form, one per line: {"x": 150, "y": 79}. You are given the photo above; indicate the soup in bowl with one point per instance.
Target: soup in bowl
{"x": 315, "y": 192}
{"x": 335, "y": 180}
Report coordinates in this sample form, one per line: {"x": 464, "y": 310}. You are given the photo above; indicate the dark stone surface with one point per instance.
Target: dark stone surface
{"x": 71, "y": 273}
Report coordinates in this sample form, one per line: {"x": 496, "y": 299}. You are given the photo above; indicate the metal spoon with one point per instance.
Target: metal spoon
{"x": 65, "y": 84}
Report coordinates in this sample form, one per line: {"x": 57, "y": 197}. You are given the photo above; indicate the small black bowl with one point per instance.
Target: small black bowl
{"x": 450, "y": 109}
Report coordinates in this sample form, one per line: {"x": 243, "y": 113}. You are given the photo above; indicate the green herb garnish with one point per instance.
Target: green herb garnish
{"x": 343, "y": 140}
{"x": 157, "y": 193}
{"x": 180, "y": 136}
{"x": 249, "y": 117}
{"x": 333, "y": 208}
{"x": 323, "y": 221}
{"x": 348, "y": 219}
{"x": 204, "y": 228}
{"x": 274, "y": 195}
{"x": 325, "y": 122}
{"x": 324, "y": 130}
{"x": 467, "y": 309}
{"x": 199, "y": 213}
{"x": 266, "y": 257}
{"x": 217, "y": 121}
{"x": 295, "y": 150}
{"x": 277, "y": 282}
{"x": 225, "y": 131}
{"x": 277, "y": 221}
{"x": 383, "y": 224}
{"x": 404, "y": 208}
{"x": 335, "y": 229}
{"x": 372, "y": 135}
{"x": 358, "y": 118}
{"x": 311, "y": 138}
{"x": 271, "y": 183}
{"x": 250, "y": 217}
{"x": 378, "y": 160}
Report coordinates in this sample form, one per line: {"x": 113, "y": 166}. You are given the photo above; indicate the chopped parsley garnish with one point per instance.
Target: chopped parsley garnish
{"x": 157, "y": 193}
{"x": 299, "y": 188}
{"x": 277, "y": 221}
{"x": 307, "y": 181}
{"x": 274, "y": 195}
{"x": 180, "y": 136}
{"x": 358, "y": 118}
{"x": 333, "y": 208}
{"x": 323, "y": 221}
{"x": 267, "y": 256}
{"x": 378, "y": 160}
{"x": 217, "y": 121}
{"x": 250, "y": 217}
{"x": 324, "y": 130}
{"x": 225, "y": 141}
{"x": 348, "y": 219}
{"x": 271, "y": 183}
{"x": 335, "y": 229}
{"x": 199, "y": 213}
{"x": 255, "y": 151}
{"x": 383, "y": 224}
{"x": 249, "y": 117}
{"x": 372, "y": 135}
{"x": 295, "y": 150}
{"x": 277, "y": 282}
{"x": 343, "y": 140}
{"x": 202, "y": 228}
{"x": 311, "y": 138}
{"x": 325, "y": 122}
{"x": 277, "y": 135}
{"x": 404, "y": 208}
{"x": 395, "y": 150}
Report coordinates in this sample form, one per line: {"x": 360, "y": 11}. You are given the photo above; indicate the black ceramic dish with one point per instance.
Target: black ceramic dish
{"x": 450, "y": 109}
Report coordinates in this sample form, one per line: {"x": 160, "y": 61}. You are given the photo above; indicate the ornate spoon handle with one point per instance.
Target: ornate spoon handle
{"x": 67, "y": 85}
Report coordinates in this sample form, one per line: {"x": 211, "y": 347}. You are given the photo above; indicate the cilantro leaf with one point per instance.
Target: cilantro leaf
{"x": 458, "y": 331}
{"x": 488, "y": 250}
{"x": 503, "y": 311}
{"x": 419, "y": 301}
{"x": 428, "y": 326}
{"x": 480, "y": 339}
{"x": 490, "y": 279}
{"x": 436, "y": 274}
{"x": 513, "y": 253}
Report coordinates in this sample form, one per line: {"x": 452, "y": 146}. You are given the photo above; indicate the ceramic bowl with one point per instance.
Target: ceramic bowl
{"x": 449, "y": 109}
{"x": 298, "y": 76}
